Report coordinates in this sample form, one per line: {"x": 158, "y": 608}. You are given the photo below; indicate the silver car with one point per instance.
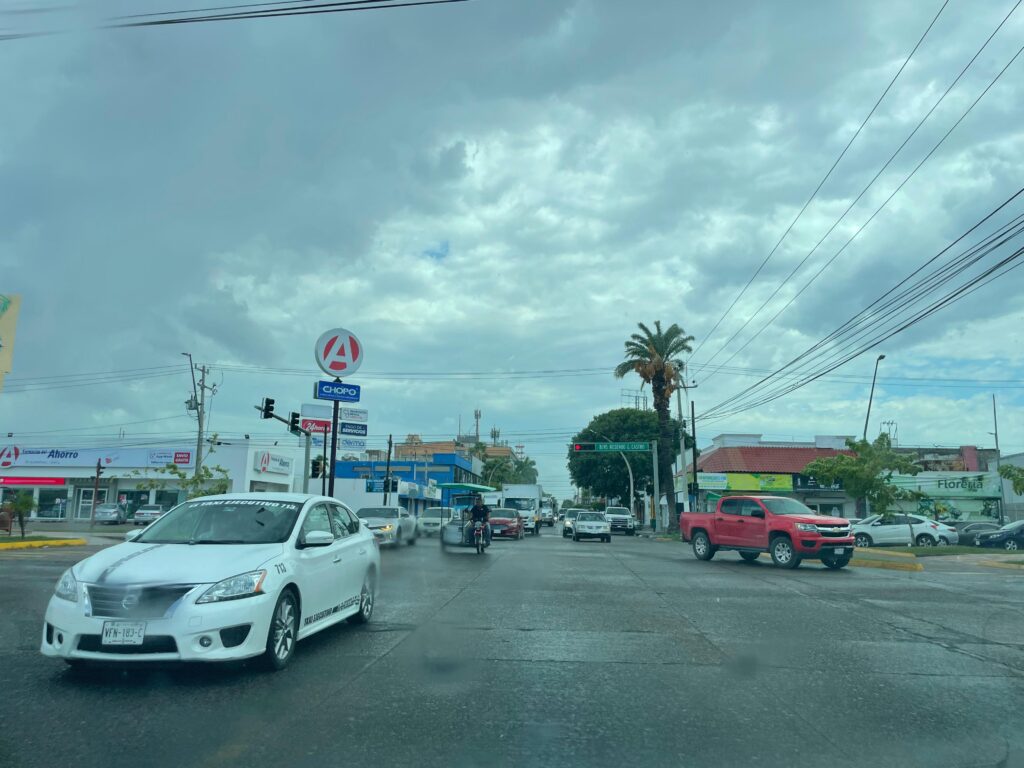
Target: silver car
{"x": 390, "y": 525}
{"x": 147, "y": 513}
{"x": 432, "y": 518}
{"x": 114, "y": 514}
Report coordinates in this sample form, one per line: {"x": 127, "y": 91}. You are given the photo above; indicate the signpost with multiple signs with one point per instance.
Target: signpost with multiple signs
{"x": 339, "y": 353}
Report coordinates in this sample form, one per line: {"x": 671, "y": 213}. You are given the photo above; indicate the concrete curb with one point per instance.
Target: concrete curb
{"x": 42, "y": 544}
{"x": 887, "y": 565}
{"x": 883, "y": 553}
{"x": 997, "y": 564}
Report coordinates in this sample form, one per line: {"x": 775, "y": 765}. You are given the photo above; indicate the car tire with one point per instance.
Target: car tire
{"x": 924, "y": 540}
{"x": 942, "y": 542}
{"x": 750, "y": 556}
{"x": 367, "y": 598}
{"x": 703, "y": 549}
{"x": 631, "y": 532}
{"x": 412, "y": 539}
{"x": 862, "y": 540}
{"x": 1011, "y": 545}
{"x": 283, "y": 632}
{"x": 575, "y": 537}
{"x": 784, "y": 554}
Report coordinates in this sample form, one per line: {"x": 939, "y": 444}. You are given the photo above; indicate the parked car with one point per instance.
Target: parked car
{"x": 969, "y": 532}
{"x": 592, "y": 525}
{"x": 147, "y": 513}
{"x": 390, "y": 525}
{"x": 1010, "y": 537}
{"x": 506, "y": 524}
{"x": 112, "y": 514}
{"x": 276, "y": 569}
{"x": 569, "y": 521}
{"x": 621, "y": 519}
{"x": 876, "y": 531}
{"x": 432, "y": 518}
{"x": 784, "y": 527}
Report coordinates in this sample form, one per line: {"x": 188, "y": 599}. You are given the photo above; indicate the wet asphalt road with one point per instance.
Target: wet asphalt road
{"x": 549, "y": 653}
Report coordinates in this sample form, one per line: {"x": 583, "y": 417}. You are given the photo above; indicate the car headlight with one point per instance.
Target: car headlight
{"x": 67, "y": 587}
{"x": 243, "y": 585}
{"x": 386, "y": 528}
{"x": 806, "y": 527}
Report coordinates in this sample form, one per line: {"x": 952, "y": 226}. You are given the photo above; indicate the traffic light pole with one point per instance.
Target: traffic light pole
{"x": 267, "y": 412}
{"x": 305, "y": 466}
{"x": 95, "y": 493}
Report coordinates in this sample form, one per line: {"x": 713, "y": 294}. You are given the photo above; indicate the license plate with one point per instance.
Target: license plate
{"x": 499, "y": 530}
{"x": 123, "y": 633}
{"x": 839, "y": 550}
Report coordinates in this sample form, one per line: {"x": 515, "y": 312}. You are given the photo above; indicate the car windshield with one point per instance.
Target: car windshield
{"x": 435, "y": 512}
{"x": 572, "y": 514}
{"x": 616, "y": 511}
{"x": 520, "y": 504}
{"x": 1013, "y": 526}
{"x": 224, "y": 521}
{"x": 388, "y": 513}
{"x": 787, "y": 507}
{"x": 590, "y": 517}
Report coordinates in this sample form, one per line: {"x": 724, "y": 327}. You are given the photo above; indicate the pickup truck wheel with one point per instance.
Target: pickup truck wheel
{"x": 750, "y": 556}
{"x": 835, "y": 562}
{"x": 783, "y": 553}
{"x": 630, "y": 532}
{"x": 703, "y": 549}
{"x": 862, "y": 540}
{"x": 925, "y": 541}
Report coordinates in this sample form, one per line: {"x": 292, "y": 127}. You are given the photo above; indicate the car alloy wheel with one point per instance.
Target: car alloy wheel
{"x": 925, "y": 541}
{"x": 365, "y": 612}
{"x": 284, "y": 628}
{"x": 862, "y": 540}
{"x": 783, "y": 553}
{"x": 1010, "y": 545}
{"x": 941, "y": 543}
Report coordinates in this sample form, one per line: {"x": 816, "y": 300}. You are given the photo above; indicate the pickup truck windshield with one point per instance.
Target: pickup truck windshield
{"x": 787, "y": 507}
{"x": 617, "y": 511}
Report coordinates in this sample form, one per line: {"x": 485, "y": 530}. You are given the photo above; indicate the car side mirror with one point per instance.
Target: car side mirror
{"x": 132, "y": 535}
{"x": 757, "y": 513}
{"x": 318, "y": 539}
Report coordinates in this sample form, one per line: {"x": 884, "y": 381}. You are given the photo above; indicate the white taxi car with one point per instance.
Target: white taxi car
{"x": 217, "y": 578}
{"x": 592, "y": 525}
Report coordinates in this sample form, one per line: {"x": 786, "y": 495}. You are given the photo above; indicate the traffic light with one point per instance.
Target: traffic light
{"x": 316, "y": 468}
{"x": 293, "y": 423}
{"x": 580, "y": 447}
{"x": 267, "y": 408}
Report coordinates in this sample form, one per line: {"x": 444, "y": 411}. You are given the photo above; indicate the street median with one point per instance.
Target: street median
{"x": 890, "y": 561}
{"x": 1002, "y": 564}
{"x": 41, "y": 543}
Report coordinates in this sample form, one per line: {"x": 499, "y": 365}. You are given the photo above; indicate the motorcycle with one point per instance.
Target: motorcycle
{"x": 479, "y": 540}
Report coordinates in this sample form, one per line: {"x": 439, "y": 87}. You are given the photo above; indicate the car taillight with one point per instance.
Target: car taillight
{"x": 935, "y": 526}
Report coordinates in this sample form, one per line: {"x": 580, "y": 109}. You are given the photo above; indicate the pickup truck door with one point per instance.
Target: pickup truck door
{"x": 753, "y": 532}
{"x": 728, "y": 523}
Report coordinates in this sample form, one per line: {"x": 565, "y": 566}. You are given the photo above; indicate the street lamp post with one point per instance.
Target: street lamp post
{"x": 871, "y": 397}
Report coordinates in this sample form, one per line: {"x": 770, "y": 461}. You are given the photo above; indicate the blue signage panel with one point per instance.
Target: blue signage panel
{"x": 335, "y": 390}
{"x": 352, "y": 429}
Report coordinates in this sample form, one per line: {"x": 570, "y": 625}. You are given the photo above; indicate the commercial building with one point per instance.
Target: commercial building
{"x": 417, "y": 479}
{"x": 954, "y": 484}
{"x": 62, "y": 479}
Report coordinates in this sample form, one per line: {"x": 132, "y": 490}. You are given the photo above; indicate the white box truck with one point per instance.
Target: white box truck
{"x": 527, "y": 500}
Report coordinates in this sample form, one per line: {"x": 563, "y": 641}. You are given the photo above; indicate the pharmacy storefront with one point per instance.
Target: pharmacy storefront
{"x": 62, "y": 480}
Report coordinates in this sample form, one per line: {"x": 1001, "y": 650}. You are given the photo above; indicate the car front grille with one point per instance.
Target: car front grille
{"x": 135, "y": 602}
{"x": 834, "y": 531}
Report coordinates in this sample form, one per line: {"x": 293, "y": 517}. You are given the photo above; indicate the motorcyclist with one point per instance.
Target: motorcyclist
{"x": 480, "y": 512}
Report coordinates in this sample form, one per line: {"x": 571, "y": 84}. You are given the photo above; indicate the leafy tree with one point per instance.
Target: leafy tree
{"x": 524, "y": 470}
{"x": 867, "y": 474}
{"x": 20, "y": 508}
{"x": 605, "y": 474}
{"x": 654, "y": 356}
{"x": 210, "y": 481}
{"x": 1015, "y": 475}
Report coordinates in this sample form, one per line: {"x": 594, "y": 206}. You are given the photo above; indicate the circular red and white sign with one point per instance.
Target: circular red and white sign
{"x": 9, "y": 456}
{"x": 339, "y": 353}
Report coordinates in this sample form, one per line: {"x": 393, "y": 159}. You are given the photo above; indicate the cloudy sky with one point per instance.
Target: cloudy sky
{"x": 498, "y": 186}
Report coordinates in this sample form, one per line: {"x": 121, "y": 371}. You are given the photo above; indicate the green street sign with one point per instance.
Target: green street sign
{"x": 622, "y": 446}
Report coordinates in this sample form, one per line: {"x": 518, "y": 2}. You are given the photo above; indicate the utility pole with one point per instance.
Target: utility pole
{"x": 200, "y": 404}
{"x": 387, "y": 473}
{"x": 682, "y": 434}
{"x": 693, "y": 436}
{"x": 656, "y": 512}
{"x": 871, "y": 397}
{"x": 95, "y": 493}
{"x": 999, "y": 460}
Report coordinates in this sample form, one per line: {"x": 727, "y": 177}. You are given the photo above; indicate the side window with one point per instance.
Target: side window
{"x": 749, "y": 507}
{"x": 317, "y": 519}
{"x": 730, "y": 507}
{"x": 349, "y": 517}
{"x": 339, "y": 522}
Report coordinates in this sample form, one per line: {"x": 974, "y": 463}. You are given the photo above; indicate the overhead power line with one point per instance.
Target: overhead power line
{"x": 857, "y": 199}
{"x": 821, "y": 183}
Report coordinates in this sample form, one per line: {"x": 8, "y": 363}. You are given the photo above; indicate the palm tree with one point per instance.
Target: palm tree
{"x": 524, "y": 470}
{"x": 654, "y": 356}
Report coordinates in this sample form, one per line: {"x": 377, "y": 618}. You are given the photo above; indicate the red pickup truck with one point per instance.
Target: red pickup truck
{"x": 783, "y": 527}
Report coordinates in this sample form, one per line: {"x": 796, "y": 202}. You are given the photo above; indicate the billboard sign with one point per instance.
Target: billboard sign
{"x": 12, "y": 456}
{"x": 9, "y": 306}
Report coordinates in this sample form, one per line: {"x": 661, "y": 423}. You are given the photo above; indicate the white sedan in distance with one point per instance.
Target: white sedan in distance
{"x": 391, "y": 525}
{"x": 432, "y": 518}
{"x": 592, "y": 525}
{"x": 217, "y": 578}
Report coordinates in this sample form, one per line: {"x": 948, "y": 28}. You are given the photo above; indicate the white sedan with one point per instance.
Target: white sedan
{"x": 215, "y": 579}
{"x": 592, "y": 525}
{"x": 390, "y": 525}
